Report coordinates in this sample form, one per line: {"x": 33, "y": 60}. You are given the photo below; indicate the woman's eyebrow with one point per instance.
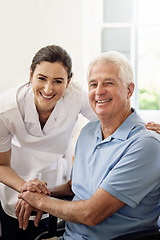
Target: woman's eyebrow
{"x": 56, "y": 78}
{"x": 59, "y": 78}
{"x": 39, "y": 74}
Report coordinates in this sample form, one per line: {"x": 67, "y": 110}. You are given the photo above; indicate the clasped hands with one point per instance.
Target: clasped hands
{"x": 23, "y": 209}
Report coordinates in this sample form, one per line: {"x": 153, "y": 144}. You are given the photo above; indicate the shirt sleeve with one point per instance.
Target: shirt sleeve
{"x": 86, "y": 109}
{"x": 5, "y": 137}
{"x": 81, "y": 100}
{"x": 136, "y": 174}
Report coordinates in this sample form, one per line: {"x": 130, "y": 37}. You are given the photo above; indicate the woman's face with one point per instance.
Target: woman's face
{"x": 49, "y": 82}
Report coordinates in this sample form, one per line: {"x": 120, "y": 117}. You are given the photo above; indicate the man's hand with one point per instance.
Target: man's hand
{"x": 34, "y": 199}
{"x": 23, "y": 211}
{"x": 35, "y": 185}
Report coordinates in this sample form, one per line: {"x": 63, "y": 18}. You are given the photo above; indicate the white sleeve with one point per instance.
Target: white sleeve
{"x": 86, "y": 109}
{"x": 5, "y": 137}
{"x": 79, "y": 99}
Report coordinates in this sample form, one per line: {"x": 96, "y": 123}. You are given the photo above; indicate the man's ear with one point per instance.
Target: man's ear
{"x": 130, "y": 89}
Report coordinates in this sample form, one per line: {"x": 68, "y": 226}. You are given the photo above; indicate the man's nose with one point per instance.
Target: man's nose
{"x": 100, "y": 89}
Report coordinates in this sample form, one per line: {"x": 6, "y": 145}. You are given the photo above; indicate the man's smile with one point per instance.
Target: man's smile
{"x": 103, "y": 101}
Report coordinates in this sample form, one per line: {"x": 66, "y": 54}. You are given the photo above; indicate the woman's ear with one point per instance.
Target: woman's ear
{"x": 31, "y": 75}
{"x": 130, "y": 89}
{"x": 69, "y": 80}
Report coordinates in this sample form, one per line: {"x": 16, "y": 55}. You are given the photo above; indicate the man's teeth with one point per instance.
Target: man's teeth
{"x": 103, "y": 101}
{"x": 46, "y": 96}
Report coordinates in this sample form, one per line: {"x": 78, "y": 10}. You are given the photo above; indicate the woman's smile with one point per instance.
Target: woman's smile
{"x": 48, "y": 97}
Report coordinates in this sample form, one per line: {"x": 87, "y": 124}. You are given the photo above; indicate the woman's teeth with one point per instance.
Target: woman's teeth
{"x": 48, "y": 97}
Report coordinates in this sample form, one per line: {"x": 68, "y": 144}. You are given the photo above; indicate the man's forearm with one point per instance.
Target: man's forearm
{"x": 90, "y": 212}
{"x": 62, "y": 191}
{"x": 69, "y": 211}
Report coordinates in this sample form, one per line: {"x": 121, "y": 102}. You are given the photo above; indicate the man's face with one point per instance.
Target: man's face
{"x": 108, "y": 95}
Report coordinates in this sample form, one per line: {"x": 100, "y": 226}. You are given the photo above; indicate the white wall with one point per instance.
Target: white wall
{"x": 28, "y": 25}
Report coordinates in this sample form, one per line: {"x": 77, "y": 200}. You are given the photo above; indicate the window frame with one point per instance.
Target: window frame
{"x": 93, "y": 29}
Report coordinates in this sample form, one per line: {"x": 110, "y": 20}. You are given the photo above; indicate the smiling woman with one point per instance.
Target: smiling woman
{"x": 36, "y": 124}
{"x": 49, "y": 82}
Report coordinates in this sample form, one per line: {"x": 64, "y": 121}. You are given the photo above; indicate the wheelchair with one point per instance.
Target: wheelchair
{"x": 56, "y": 229}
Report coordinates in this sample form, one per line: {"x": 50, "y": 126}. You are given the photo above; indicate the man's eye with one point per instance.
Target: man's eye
{"x": 108, "y": 83}
{"x": 93, "y": 85}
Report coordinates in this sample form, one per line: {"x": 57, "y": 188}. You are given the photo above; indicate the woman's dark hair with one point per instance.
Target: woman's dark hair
{"x": 53, "y": 53}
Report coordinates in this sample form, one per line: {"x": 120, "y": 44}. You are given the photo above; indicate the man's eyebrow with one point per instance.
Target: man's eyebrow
{"x": 92, "y": 80}
{"x": 109, "y": 79}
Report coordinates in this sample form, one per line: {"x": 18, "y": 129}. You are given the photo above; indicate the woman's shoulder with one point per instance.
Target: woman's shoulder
{"x": 8, "y": 98}
{"x": 75, "y": 88}
{"x": 75, "y": 92}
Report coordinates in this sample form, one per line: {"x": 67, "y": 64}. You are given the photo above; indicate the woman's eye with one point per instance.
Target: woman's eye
{"x": 58, "y": 81}
{"x": 42, "y": 78}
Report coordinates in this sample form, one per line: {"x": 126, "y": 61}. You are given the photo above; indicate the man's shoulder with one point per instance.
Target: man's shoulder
{"x": 89, "y": 130}
{"x": 144, "y": 141}
{"x": 91, "y": 126}
{"x": 140, "y": 132}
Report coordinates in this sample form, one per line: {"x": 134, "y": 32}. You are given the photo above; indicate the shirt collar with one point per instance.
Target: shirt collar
{"x": 31, "y": 115}
{"x": 124, "y": 130}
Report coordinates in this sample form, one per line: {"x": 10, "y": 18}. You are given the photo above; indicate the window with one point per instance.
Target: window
{"x": 133, "y": 28}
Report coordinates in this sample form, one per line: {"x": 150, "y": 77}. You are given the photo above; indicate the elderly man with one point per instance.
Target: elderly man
{"x": 115, "y": 179}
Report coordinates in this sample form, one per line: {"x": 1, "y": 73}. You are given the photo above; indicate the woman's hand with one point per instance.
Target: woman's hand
{"x": 35, "y": 185}
{"x": 23, "y": 211}
{"x": 153, "y": 126}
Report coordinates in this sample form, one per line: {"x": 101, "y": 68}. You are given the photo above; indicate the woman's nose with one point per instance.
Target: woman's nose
{"x": 48, "y": 88}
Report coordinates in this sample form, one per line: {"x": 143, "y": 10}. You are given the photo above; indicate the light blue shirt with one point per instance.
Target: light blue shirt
{"x": 127, "y": 165}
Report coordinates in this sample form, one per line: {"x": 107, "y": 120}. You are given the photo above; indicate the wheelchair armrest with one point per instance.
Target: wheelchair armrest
{"x": 55, "y": 228}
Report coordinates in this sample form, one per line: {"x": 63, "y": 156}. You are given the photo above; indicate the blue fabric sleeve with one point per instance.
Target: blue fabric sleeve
{"x": 137, "y": 172}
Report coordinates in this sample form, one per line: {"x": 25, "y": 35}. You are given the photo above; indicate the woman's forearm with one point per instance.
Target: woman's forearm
{"x": 7, "y": 175}
{"x": 10, "y": 178}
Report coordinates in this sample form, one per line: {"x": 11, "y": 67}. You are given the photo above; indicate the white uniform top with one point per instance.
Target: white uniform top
{"x": 36, "y": 152}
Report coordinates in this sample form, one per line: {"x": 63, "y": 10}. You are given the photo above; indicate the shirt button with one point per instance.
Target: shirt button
{"x": 99, "y": 147}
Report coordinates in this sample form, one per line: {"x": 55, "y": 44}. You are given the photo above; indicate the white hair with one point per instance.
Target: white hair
{"x": 125, "y": 72}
